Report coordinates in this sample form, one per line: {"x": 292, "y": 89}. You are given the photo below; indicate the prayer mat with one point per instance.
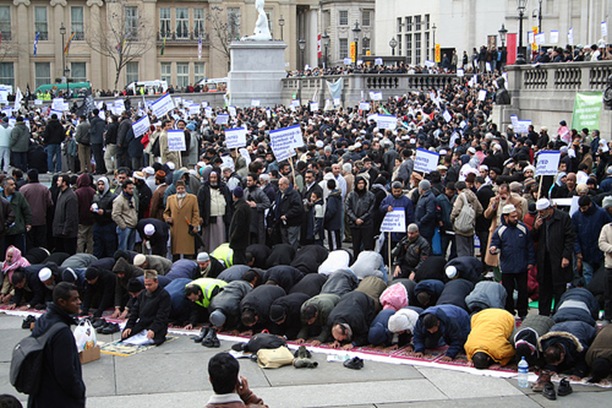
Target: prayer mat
{"x": 120, "y": 349}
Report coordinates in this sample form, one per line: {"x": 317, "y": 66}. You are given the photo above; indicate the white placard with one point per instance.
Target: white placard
{"x": 429, "y": 64}
{"x": 426, "y": 161}
{"x": 256, "y": 103}
{"x": 378, "y": 61}
{"x": 235, "y": 138}
{"x": 604, "y": 29}
{"x": 57, "y": 104}
{"x": 178, "y": 101}
{"x": 222, "y": 119}
{"x": 447, "y": 116}
{"x": 386, "y": 122}
{"x": 141, "y": 126}
{"x": 514, "y": 120}
{"x": 394, "y": 221}
{"x": 364, "y": 106}
{"x": 530, "y": 37}
{"x": 204, "y": 104}
{"x": 548, "y": 163}
{"x": 232, "y": 111}
{"x": 285, "y": 141}
{"x": 38, "y": 102}
{"x": 522, "y": 126}
{"x": 208, "y": 112}
{"x": 295, "y": 103}
{"x": 482, "y": 95}
{"x": 176, "y": 141}
{"x": 540, "y": 39}
{"x": 162, "y": 106}
{"x": 488, "y": 67}
{"x": 228, "y": 162}
{"x": 376, "y": 96}
{"x": 314, "y": 106}
{"x": 570, "y": 36}
{"x": 348, "y": 61}
{"x": 337, "y": 102}
{"x": 460, "y": 73}
{"x": 59, "y": 114}
{"x": 194, "y": 109}
{"x": 554, "y": 36}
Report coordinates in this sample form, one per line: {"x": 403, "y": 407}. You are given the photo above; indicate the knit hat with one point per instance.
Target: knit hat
{"x": 139, "y": 260}
{"x": 277, "y": 313}
{"x": 451, "y": 271}
{"x": 203, "y": 257}
{"x": 238, "y": 192}
{"x": 217, "y": 318}
{"x": 149, "y": 229}
{"x": 44, "y": 274}
{"x": 425, "y": 185}
{"x": 607, "y": 202}
{"x": 508, "y": 208}
{"x": 135, "y": 285}
{"x": 68, "y": 275}
{"x": 542, "y": 204}
{"x": 92, "y": 273}
{"x": 403, "y": 319}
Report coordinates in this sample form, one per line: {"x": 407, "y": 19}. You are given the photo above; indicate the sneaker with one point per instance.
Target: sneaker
{"x": 565, "y": 388}
{"x": 200, "y": 336}
{"x": 549, "y": 391}
{"x": 543, "y": 378}
{"x": 211, "y": 339}
{"x": 354, "y": 363}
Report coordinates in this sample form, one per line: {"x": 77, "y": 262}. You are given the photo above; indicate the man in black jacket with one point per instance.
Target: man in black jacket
{"x": 66, "y": 217}
{"x": 53, "y": 137}
{"x": 61, "y": 377}
{"x": 96, "y": 138}
{"x": 99, "y": 290}
{"x": 350, "y": 320}
{"x": 241, "y": 219}
{"x": 288, "y": 213}
{"x": 104, "y": 231}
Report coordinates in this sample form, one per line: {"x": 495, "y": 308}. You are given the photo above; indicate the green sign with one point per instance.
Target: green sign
{"x": 587, "y": 110}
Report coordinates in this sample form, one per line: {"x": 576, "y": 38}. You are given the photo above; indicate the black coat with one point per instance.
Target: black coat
{"x": 357, "y": 310}
{"x": 468, "y": 267}
{"x": 291, "y": 305}
{"x": 484, "y": 195}
{"x": 238, "y": 236}
{"x": 310, "y": 284}
{"x": 555, "y": 241}
{"x": 61, "y": 377}
{"x": 282, "y": 254}
{"x": 260, "y": 299}
{"x": 309, "y": 257}
{"x": 100, "y": 295}
{"x": 159, "y": 239}
{"x": 261, "y": 253}
{"x": 204, "y": 203}
{"x": 284, "y": 276}
{"x": 151, "y": 312}
{"x": 455, "y": 292}
{"x": 289, "y": 205}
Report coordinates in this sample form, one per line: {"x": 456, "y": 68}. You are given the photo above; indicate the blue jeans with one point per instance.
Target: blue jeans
{"x": 587, "y": 272}
{"x": 105, "y": 240}
{"x": 127, "y": 238}
{"x": 53, "y": 151}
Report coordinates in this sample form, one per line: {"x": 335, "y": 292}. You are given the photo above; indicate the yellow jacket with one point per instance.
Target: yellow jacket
{"x": 491, "y": 333}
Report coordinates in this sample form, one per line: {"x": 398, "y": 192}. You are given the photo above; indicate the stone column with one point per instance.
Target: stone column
{"x": 24, "y": 40}
{"x": 54, "y": 21}
{"x": 95, "y": 71}
{"x": 148, "y": 65}
{"x": 312, "y": 31}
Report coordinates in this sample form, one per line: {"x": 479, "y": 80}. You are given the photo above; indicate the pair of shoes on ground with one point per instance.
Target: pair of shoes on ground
{"x": 107, "y": 327}
{"x": 354, "y": 363}
{"x": 200, "y": 336}
{"x": 27, "y": 322}
{"x": 208, "y": 338}
{"x": 547, "y": 388}
{"x": 302, "y": 352}
{"x": 304, "y": 362}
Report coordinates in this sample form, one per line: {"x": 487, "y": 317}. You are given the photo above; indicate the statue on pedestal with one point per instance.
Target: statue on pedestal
{"x": 262, "y": 30}
{"x": 607, "y": 96}
{"x": 502, "y": 97}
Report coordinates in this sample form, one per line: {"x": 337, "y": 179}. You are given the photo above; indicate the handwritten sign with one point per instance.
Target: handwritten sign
{"x": 548, "y": 163}
{"x": 386, "y": 122}
{"x": 394, "y": 221}
{"x": 376, "y": 96}
{"x": 162, "y": 106}
{"x": 222, "y": 119}
{"x": 285, "y": 141}
{"x": 426, "y": 161}
{"x": 141, "y": 126}
{"x": 176, "y": 141}
{"x": 314, "y": 106}
{"x": 235, "y": 138}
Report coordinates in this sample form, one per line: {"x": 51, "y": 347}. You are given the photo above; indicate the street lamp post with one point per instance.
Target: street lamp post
{"x": 62, "y": 31}
{"x": 325, "y": 38}
{"x": 520, "y": 57}
{"x": 393, "y": 44}
{"x": 502, "y": 35}
{"x": 540, "y": 17}
{"x": 356, "y": 30}
{"x": 433, "y": 29}
{"x": 281, "y": 23}
{"x": 302, "y": 46}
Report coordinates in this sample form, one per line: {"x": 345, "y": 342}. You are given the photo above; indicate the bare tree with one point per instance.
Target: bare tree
{"x": 225, "y": 28}
{"x": 123, "y": 35}
{"x": 8, "y": 49}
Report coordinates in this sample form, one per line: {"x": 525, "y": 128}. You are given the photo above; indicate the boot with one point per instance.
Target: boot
{"x": 564, "y": 388}
{"x": 211, "y": 340}
{"x": 200, "y": 336}
{"x": 302, "y": 352}
{"x": 549, "y": 391}
{"x": 543, "y": 378}
{"x": 305, "y": 363}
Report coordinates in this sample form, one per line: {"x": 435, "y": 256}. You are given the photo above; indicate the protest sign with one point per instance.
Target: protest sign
{"x": 386, "y": 122}
{"x": 255, "y": 103}
{"x": 232, "y": 111}
{"x": 522, "y": 126}
{"x": 235, "y": 138}
{"x": 162, "y": 106}
{"x": 426, "y": 161}
{"x": 394, "y": 221}
{"x": 376, "y": 96}
{"x": 176, "y": 141}
{"x": 314, "y": 106}
{"x": 548, "y": 163}
{"x": 208, "y": 112}
{"x": 587, "y": 110}
{"x": 222, "y": 119}
{"x": 194, "y": 109}
{"x": 447, "y": 116}
{"x": 285, "y": 141}
{"x": 57, "y": 104}
{"x": 378, "y": 61}
{"x": 141, "y": 126}
{"x": 482, "y": 95}
{"x": 364, "y": 106}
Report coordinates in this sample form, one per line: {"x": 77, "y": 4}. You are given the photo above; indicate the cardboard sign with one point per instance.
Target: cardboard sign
{"x": 222, "y": 119}
{"x": 386, "y": 122}
{"x": 232, "y": 111}
{"x": 394, "y": 221}
{"x": 162, "y": 106}
{"x": 176, "y": 141}
{"x": 548, "y": 163}
{"x": 364, "y": 106}
{"x": 376, "y": 96}
{"x": 141, "y": 126}
{"x": 235, "y": 138}
{"x": 426, "y": 161}
{"x": 314, "y": 106}
{"x": 285, "y": 141}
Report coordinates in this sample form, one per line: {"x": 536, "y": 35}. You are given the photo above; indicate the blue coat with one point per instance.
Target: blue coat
{"x": 432, "y": 286}
{"x": 379, "y": 333}
{"x": 577, "y": 304}
{"x": 516, "y": 248}
{"x": 588, "y": 226}
{"x": 454, "y": 328}
{"x": 402, "y": 202}
{"x": 333, "y": 211}
{"x": 425, "y": 215}
{"x": 184, "y": 268}
{"x": 575, "y": 337}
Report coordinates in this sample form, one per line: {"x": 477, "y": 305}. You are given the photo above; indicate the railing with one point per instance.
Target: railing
{"x": 570, "y": 76}
{"x": 173, "y": 38}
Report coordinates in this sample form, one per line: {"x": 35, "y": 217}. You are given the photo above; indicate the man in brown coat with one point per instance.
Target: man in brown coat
{"x": 182, "y": 214}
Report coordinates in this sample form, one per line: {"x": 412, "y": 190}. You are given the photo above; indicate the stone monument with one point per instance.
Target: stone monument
{"x": 257, "y": 65}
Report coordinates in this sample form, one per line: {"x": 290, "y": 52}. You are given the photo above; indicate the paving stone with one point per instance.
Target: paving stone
{"x": 495, "y": 402}
{"x": 463, "y": 385}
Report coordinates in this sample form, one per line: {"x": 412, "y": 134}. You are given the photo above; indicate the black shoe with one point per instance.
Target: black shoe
{"x": 549, "y": 391}
{"x": 302, "y": 352}
{"x": 200, "y": 337}
{"x": 101, "y": 328}
{"x": 27, "y": 322}
{"x": 110, "y": 328}
{"x": 305, "y": 363}
{"x": 98, "y": 322}
{"x": 211, "y": 339}
{"x": 565, "y": 388}
{"x": 354, "y": 363}
{"x": 239, "y": 346}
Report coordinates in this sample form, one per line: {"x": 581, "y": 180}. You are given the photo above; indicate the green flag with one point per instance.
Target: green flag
{"x": 587, "y": 110}
{"x": 163, "y": 47}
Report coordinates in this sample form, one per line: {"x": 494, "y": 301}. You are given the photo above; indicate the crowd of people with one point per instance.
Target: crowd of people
{"x": 231, "y": 239}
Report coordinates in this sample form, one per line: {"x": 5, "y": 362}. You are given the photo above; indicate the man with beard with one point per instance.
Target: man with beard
{"x": 144, "y": 194}
{"x": 183, "y": 215}
{"x": 288, "y": 212}
{"x": 410, "y": 253}
{"x": 513, "y": 241}
{"x": 258, "y": 202}
{"x": 125, "y": 215}
{"x": 105, "y": 235}
{"x": 238, "y": 240}
{"x": 66, "y": 218}
{"x": 215, "y": 203}
{"x": 359, "y": 208}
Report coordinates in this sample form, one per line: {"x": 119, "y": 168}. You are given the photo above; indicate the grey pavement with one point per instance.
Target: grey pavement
{"x": 175, "y": 375}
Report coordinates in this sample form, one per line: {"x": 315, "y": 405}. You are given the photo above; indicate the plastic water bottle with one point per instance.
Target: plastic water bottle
{"x": 523, "y": 373}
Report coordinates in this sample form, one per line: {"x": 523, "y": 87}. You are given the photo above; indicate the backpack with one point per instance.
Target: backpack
{"x": 264, "y": 341}
{"x": 27, "y": 361}
{"x": 464, "y": 223}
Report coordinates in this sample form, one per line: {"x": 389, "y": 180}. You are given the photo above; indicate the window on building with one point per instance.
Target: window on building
{"x": 182, "y": 23}
{"x": 131, "y": 72}
{"x": 199, "y": 72}
{"x": 233, "y": 22}
{"x": 409, "y": 23}
{"x": 42, "y": 72}
{"x": 365, "y": 46}
{"x": 182, "y": 74}
{"x": 428, "y": 46}
{"x": 40, "y": 23}
{"x": 427, "y": 20}
{"x": 78, "y": 72}
{"x": 76, "y": 23}
{"x": 399, "y": 45}
{"x": 131, "y": 23}
{"x": 199, "y": 25}
{"x": 5, "y": 23}
{"x": 7, "y": 73}
{"x": 164, "y": 22}
{"x": 166, "y": 72}
{"x": 399, "y": 24}
{"x": 417, "y": 48}
{"x": 417, "y": 23}
{"x": 409, "y": 48}
{"x": 343, "y": 47}
{"x": 365, "y": 18}
{"x": 343, "y": 17}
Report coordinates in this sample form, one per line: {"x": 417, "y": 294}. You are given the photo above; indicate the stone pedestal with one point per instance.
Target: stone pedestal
{"x": 257, "y": 68}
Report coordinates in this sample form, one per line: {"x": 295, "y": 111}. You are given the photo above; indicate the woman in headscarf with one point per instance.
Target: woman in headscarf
{"x": 12, "y": 261}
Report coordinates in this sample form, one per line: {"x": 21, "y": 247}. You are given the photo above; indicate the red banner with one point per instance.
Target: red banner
{"x": 511, "y": 48}
{"x": 319, "y": 53}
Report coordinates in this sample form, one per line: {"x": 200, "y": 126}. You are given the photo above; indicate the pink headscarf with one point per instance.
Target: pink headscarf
{"x": 17, "y": 262}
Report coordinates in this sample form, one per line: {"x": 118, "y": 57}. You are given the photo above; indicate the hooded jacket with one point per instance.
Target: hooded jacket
{"x": 311, "y": 284}
{"x": 340, "y": 282}
{"x": 588, "y": 227}
{"x": 455, "y": 292}
{"x": 485, "y": 295}
{"x": 324, "y": 303}
{"x": 516, "y": 245}
{"x": 54, "y": 132}
{"x": 104, "y": 201}
{"x": 360, "y": 206}
{"x": 85, "y": 194}
{"x": 490, "y": 331}
{"x": 575, "y": 337}
{"x": 309, "y": 257}
{"x": 284, "y": 276}
{"x": 577, "y": 304}
{"x": 129, "y": 271}
{"x": 20, "y": 138}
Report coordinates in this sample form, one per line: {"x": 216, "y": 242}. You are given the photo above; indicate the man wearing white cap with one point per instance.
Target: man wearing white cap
{"x": 554, "y": 234}
{"x": 512, "y": 241}
{"x": 154, "y": 235}
{"x": 158, "y": 263}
